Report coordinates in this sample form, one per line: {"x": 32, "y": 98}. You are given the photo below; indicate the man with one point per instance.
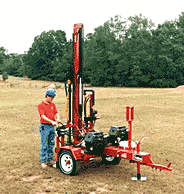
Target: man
{"x": 49, "y": 118}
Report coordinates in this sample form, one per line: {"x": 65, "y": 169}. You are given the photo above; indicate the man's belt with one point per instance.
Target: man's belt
{"x": 45, "y": 124}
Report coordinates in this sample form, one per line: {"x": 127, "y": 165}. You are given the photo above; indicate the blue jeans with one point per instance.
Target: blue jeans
{"x": 47, "y": 134}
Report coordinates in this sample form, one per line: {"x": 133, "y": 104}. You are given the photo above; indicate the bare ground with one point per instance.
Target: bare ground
{"x": 159, "y": 117}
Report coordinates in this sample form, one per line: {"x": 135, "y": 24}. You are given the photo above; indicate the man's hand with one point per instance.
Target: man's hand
{"x": 54, "y": 123}
{"x": 59, "y": 122}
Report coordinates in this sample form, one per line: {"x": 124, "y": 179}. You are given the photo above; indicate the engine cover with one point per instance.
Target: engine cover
{"x": 116, "y": 132}
{"x": 94, "y": 143}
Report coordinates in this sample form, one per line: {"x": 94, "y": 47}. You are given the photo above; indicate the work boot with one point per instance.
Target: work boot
{"x": 43, "y": 165}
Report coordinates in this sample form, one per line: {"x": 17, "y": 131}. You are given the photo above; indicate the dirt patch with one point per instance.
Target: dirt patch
{"x": 179, "y": 89}
{"x": 67, "y": 181}
{"x": 31, "y": 178}
{"x": 102, "y": 190}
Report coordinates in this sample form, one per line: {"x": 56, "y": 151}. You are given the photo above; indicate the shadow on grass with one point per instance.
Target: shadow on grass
{"x": 94, "y": 168}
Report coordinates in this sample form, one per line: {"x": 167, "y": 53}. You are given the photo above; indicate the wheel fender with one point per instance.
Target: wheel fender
{"x": 77, "y": 153}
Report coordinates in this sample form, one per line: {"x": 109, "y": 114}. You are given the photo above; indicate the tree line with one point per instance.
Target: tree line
{"x": 132, "y": 53}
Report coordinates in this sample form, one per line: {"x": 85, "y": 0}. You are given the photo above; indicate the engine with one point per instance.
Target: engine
{"x": 94, "y": 143}
{"x": 61, "y": 131}
{"x": 118, "y": 133}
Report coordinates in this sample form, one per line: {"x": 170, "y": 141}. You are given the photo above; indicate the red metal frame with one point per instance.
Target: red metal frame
{"x": 134, "y": 155}
{"x": 77, "y": 79}
{"x": 129, "y": 118}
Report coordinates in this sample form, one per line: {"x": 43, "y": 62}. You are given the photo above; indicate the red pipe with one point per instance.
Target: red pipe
{"x": 62, "y": 140}
{"x": 132, "y": 113}
{"x": 127, "y": 113}
{"x": 138, "y": 148}
{"x": 129, "y": 118}
{"x": 57, "y": 141}
{"x": 130, "y": 135}
{"x": 57, "y": 145}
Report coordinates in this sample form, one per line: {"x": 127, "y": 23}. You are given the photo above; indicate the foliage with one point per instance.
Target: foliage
{"x": 2, "y": 59}
{"x": 61, "y": 65}
{"x": 133, "y": 52}
{"x": 101, "y": 57}
{"x": 46, "y": 49}
{"x": 5, "y": 76}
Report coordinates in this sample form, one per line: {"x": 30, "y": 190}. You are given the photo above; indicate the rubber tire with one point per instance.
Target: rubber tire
{"x": 67, "y": 155}
{"x": 114, "y": 161}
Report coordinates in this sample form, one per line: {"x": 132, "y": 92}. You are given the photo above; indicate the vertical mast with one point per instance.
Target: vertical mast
{"x": 77, "y": 75}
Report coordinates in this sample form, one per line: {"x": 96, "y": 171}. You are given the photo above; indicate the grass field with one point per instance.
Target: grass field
{"x": 159, "y": 117}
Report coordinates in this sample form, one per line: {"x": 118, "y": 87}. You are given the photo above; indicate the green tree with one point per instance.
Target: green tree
{"x": 22, "y": 71}
{"x": 167, "y": 55}
{"x": 136, "y": 50}
{"x": 2, "y": 59}
{"x": 5, "y": 76}
{"x": 62, "y": 65}
{"x": 118, "y": 27}
{"x": 45, "y": 49}
{"x": 13, "y": 63}
{"x": 101, "y": 56}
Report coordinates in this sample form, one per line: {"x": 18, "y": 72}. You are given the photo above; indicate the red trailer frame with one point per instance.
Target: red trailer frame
{"x": 69, "y": 152}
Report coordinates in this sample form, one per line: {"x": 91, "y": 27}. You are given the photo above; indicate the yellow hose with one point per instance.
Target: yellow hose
{"x": 67, "y": 103}
{"x": 66, "y": 107}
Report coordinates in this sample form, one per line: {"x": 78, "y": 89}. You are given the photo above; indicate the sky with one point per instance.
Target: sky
{"x": 22, "y": 20}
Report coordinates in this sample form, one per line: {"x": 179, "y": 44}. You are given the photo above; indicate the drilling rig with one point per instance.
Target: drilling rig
{"x": 78, "y": 141}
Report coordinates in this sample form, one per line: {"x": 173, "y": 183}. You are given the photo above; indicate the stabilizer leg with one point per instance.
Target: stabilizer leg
{"x": 139, "y": 177}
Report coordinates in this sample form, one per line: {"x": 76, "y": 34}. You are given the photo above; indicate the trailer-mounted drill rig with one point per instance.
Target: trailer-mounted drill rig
{"x": 78, "y": 140}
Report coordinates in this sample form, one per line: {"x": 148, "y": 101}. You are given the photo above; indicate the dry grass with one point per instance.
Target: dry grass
{"x": 17, "y": 82}
{"x": 159, "y": 116}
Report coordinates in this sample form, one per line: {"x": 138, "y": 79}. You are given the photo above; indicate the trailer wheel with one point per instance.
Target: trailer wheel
{"x": 110, "y": 160}
{"x": 67, "y": 164}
